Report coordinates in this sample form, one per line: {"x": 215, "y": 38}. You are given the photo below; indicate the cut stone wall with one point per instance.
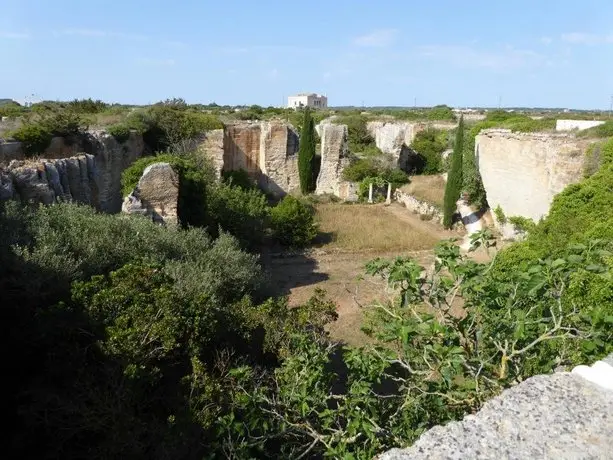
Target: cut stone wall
{"x": 334, "y": 159}
{"x": 92, "y": 178}
{"x": 522, "y": 172}
{"x": 156, "y": 195}
{"x": 417, "y": 206}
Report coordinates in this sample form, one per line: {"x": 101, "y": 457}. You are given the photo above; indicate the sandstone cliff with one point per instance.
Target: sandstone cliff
{"x": 93, "y": 177}
{"x": 522, "y": 172}
{"x": 156, "y": 195}
{"x": 334, "y": 158}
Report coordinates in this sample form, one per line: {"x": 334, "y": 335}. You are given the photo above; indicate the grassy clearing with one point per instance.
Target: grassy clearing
{"x": 427, "y": 188}
{"x": 368, "y": 228}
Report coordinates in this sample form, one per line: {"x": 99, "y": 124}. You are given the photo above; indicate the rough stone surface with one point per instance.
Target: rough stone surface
{"x": 334, "y": 159}
{"x": 278, "y": 158}
{"x": 417, "y": 206}
{"x": 156, "y": 195}
{"x": 522, "y": 172}
{"x": 348, "y": 191}
{"x": 92, "y": 178}
{"x": 10, "y": 151}
{"x": 267, "y": 150}
{"x": 559, "y": 416}
{"x": 211, "y": 146}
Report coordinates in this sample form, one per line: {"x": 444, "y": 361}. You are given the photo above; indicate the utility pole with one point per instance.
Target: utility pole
{"x": 611, "y": 107}
{"x": 499, "y": 102}
{"x": 415, "y": 103}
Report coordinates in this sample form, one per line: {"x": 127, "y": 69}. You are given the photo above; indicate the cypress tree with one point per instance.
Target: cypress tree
{"x": 454, "y": 178}
{"x": 306, "y": 154}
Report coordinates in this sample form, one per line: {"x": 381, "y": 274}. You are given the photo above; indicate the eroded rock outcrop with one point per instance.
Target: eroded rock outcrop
{"x": 93, "y": 177}
{"x": 522, "y": 172}
{"x": 156, "y": 195}
{"x": 334, "y": 159}
{"x": 559, "y": 416}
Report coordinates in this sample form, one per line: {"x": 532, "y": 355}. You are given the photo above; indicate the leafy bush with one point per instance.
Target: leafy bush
{"x": 87, "y": 106}
{"x": 358, "y": 137}
{"x": 241, "y": 212}
{"x": 500, "y": 216}
{"x": 379, "y": 188}
{"x": 238, "y": 178}
{"x": 293, "y": 222}
{"x": 361, "y": 169}
{"x": 522, "y": 224}
{"x": 394, "y": 175}
{"x": 120, "y": 131}
{"x": 441, "y": 112}
{"x": 596, "y": 155}
{"x": 167, "y": 124}
{"x": 604, "y": 130}
{"x": 428, "y": 147}
{"x": 35, "y": 138}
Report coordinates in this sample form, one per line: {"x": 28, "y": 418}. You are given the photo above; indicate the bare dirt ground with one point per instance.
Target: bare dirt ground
{"x": 338, "y": 266}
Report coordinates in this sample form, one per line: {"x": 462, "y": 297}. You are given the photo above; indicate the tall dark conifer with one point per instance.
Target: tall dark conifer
{"x": 306, "y": 154}
{"x": 454, "y": 177}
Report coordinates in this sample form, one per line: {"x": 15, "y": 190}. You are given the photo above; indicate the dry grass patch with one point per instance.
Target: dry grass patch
{"x": 427, "y": 188}
{"x": 368, "y": 228}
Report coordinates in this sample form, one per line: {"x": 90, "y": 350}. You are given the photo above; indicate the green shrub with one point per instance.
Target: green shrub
{"x": 358, "y": 137}
{"x": 394, "y": 175}
{"x": 120, "y": 131}
{"x": 238, "y": 178}
{"x": 293, "y": 222}
{"x": 379, "y": 188}
{"x": 428, "y": 147}
{"x": 604, "y": 130}
{"x": 35, "y": 138}
{"x": 240, "y": 212}
{"x": 361, "y": 169}
{"x": 522, "y": 224}
{"x": 441, "y": 112}
{"x": 500, "y": 216}
{"x": 165, "y": 125}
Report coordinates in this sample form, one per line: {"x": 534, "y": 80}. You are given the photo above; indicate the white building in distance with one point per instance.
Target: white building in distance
{"x": 312, "y": 100}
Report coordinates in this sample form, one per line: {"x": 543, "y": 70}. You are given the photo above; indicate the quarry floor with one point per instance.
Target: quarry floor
{"x": 351, "y": 236}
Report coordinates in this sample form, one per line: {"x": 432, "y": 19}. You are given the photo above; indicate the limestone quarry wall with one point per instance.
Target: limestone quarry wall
{"x": 334, "y": 158}
{"x": 268, "y": 151}
{"x": 522, "y": 172}
{"x": 92, "y": 177}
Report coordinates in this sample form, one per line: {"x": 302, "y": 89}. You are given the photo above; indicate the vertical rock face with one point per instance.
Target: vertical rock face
{"x": 278, "y": 158}
{"x": 266, "y": 150}
{"x": 212, "y": 146}
{"x": 92, "y": 178}
{"x": 156, "y": 195}
{"x": 242, "y": 148}
{"x": 522, "y": 172}
{"x": 334, "y": 158}
{"x": 392, "y": 137}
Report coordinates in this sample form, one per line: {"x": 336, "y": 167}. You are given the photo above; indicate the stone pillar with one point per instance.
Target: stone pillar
{"x": 370, "y": 193}
{"x": 388, "y": 200}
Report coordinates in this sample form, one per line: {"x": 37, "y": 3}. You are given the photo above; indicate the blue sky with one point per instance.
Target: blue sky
{"x": 372, "y": 52}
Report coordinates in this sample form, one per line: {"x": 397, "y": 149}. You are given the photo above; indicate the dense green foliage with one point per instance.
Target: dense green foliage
{"x": 169, "y": 123}
{"x": 471, "y": 177}
{"x": 120, "y": 131}
{"x": 500, "y": 215}
{"x": 293, "y": 222}
{"x": 306, "y": 154}
{"x": 604, "y": 130}
{"x": 370, "y": 170}
{"x": 359, "y": 139}
{"x": 453, "y": 188}
{"x": 238, "y": 178}
{"x": 36, "y": 132}
{"x": 428, "y": 147}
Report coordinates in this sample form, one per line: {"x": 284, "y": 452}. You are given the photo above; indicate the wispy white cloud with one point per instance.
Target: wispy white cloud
{"x": 378, "y": 38}
{"x": 465, "y": 56}
{"x": 581, "y": 38}
{"x": 273, "y": 74}
{"x": 246, "y": 49}
{"x": 100, "y": 33}
{"x": 15, "y": 35}
{"x": 156, "y": 62}
{"x": 546, "y": 40}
